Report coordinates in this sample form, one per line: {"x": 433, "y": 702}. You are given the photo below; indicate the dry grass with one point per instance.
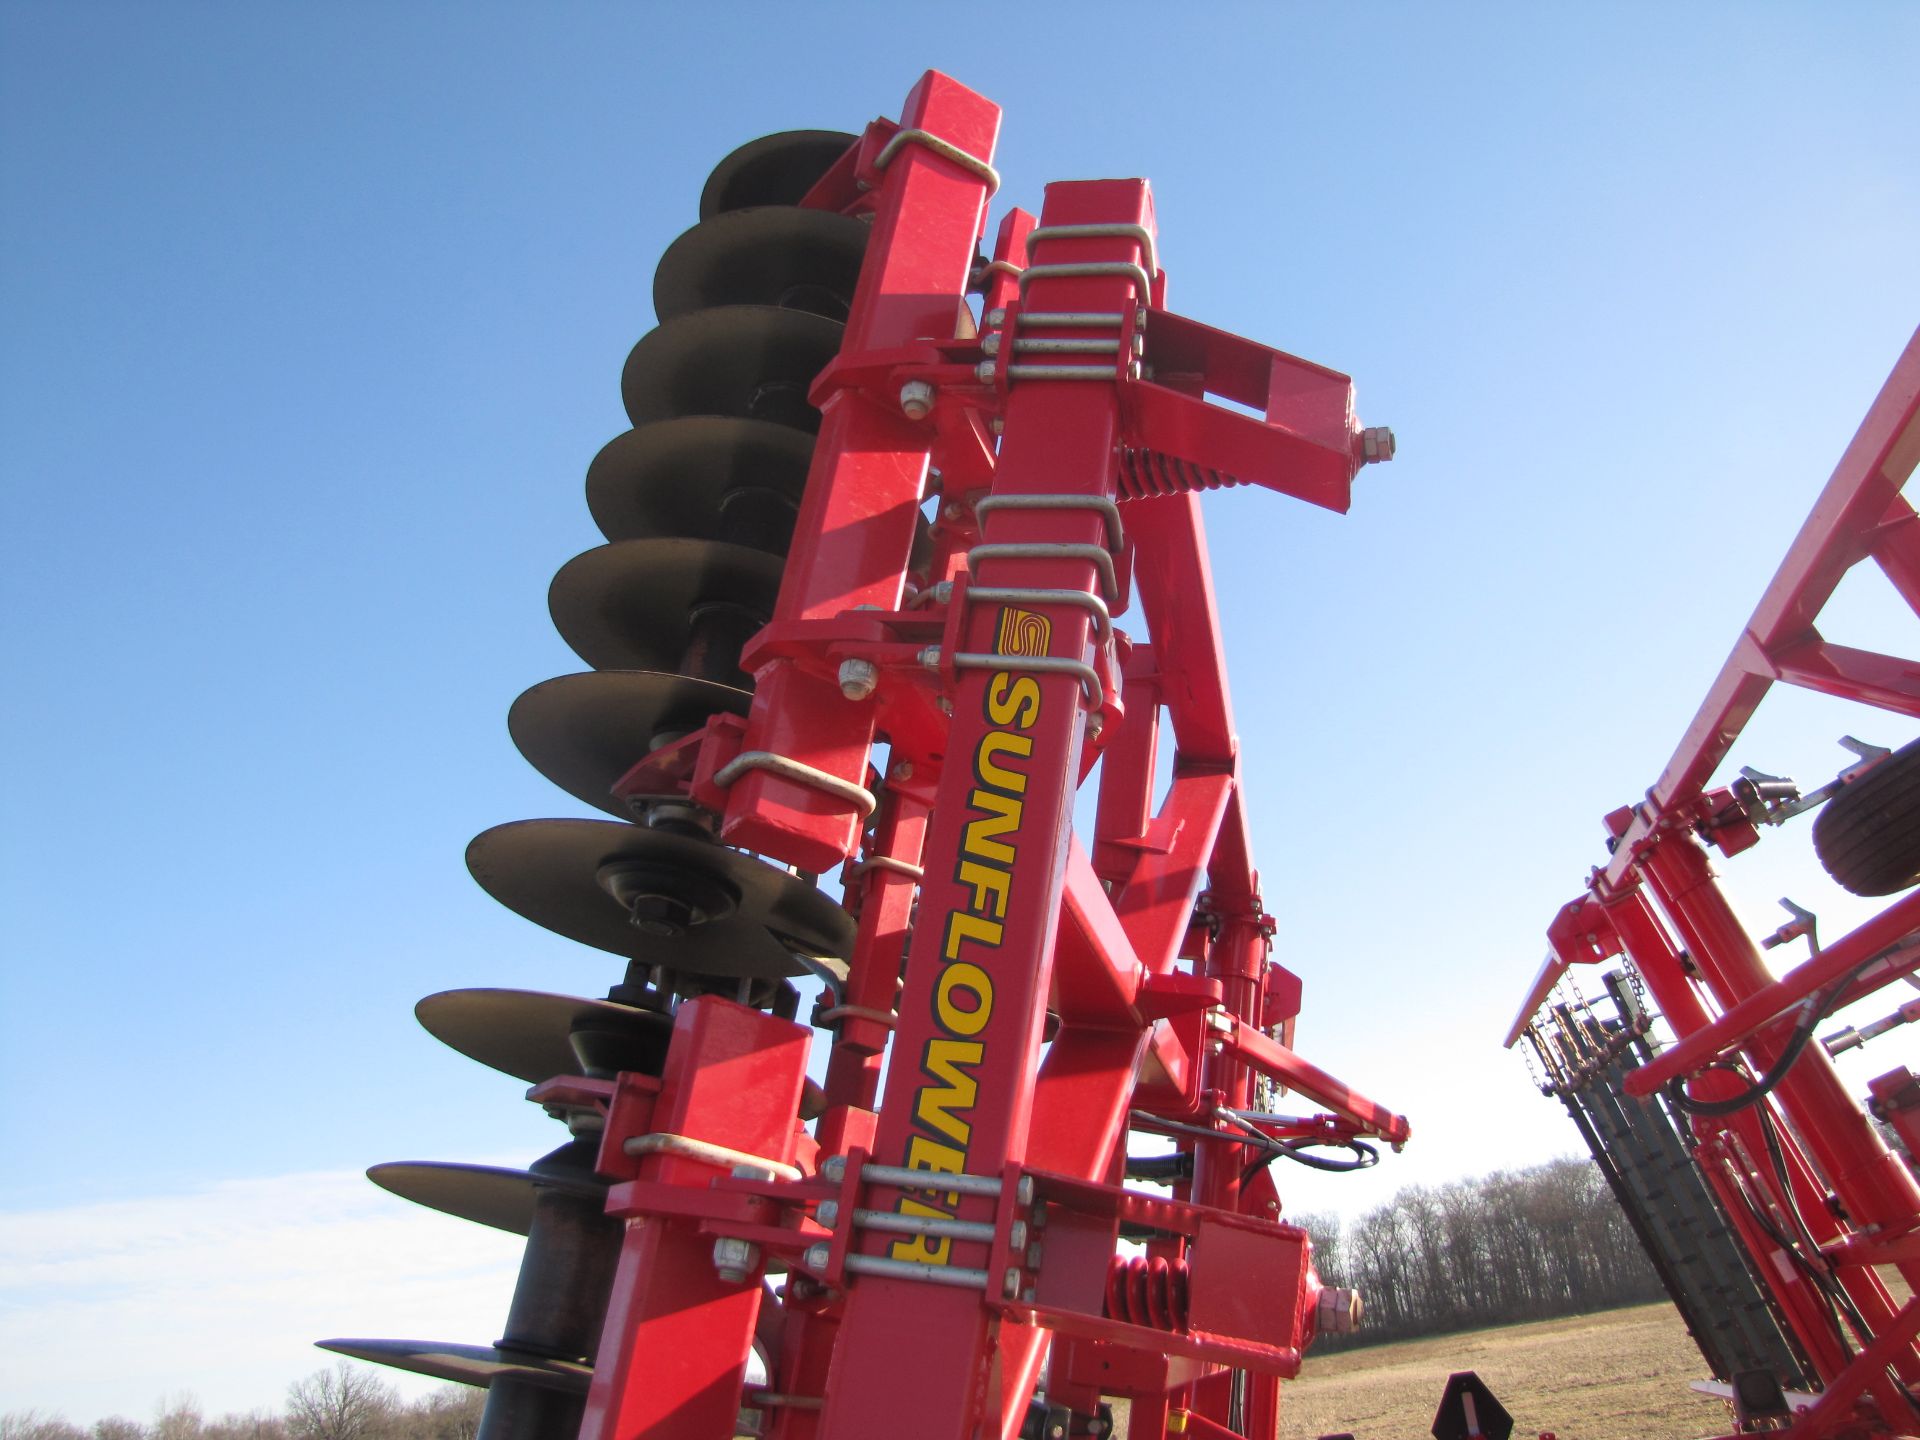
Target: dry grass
{"x": 1619, "y": 1375}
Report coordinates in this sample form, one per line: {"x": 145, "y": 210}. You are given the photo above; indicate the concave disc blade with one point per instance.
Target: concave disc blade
{"x": 688, "y": 478}
{"x": 485, "y": 1194}
{"x": 755, "y": 361}
{"x": 467, "y": 1364}
{"x": 769, "y": 255}
{"x": 583, "y": 732}
{"x": 529, "y": 1034}
{"x": 773, "y": 170}
{"x": 547, "y": 871}
{"x": 642, "y": 604}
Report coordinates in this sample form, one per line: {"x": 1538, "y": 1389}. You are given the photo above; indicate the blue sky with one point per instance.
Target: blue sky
{"x": 314, "y": 316}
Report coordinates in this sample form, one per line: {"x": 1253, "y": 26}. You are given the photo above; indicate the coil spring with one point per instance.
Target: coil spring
{"x": 1145, "y": 473}
{"x": 1148, "y": 1290}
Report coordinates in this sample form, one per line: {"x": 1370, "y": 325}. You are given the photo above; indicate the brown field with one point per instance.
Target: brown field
{"x": 1618, "y": 1375}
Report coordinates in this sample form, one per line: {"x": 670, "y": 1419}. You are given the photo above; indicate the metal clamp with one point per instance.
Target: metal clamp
{"x": 1109, "y": 511}
{"x": 1015, "y": 595}
{"x": 857, "y": 1012}
{"x": 1074, "y": 319}
{"x": 834, "y": 1168}
{"x": 1059, "y": 372}
{"x": 1096, "y": 555}
{"x": 1140, "y": 278}
{"x": 1139, "y": 234}
{"x": 945, "y": 149}
{"x": 687, "y": 1148}
{"x": 979, "y": 274}
{"x": 1039, "y": 665}
{"x": 1065, "y": 347}
{"x": 887, "y": 862}
{"x": 788, "y": 768}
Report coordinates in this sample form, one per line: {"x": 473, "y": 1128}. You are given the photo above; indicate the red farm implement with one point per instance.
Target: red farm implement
{"x": 1771, "y": 1203}
{"x": 870, "y": 542}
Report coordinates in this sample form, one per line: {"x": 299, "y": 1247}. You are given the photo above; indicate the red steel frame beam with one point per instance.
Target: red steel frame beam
{"x": 1861, "y": 514}
{"x": 960, "y": 1092}
{"x": 1014, "y": 920}
{"x": 1861, "y": 497}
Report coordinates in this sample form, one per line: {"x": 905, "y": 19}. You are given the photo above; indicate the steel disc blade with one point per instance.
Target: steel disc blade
{"x": 701, "y": 477}
{"x": 549, "y": 871}
{"x": 467, "y": 1364}
{"x": 770, "y": 255}
{"x": 583, "y": 732}
{"x": 675, "y": 605}
{"x": 750, "y": 360}
{"x": 773, "y": 170}
{"x": 487, "y": 1195}
{"x": 529, "y": 1034}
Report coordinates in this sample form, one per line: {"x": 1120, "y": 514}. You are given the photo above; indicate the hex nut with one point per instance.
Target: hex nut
{"x": 1377, "y": 444}
{"x": 1338, "y": 1310}
{"x": 916, "y": 399}
{"x": 735, "y": 1260}
{"x": 858, "y": 678}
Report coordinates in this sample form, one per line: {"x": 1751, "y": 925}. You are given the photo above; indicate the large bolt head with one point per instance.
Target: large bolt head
{"x": 1376, "y": 444}
{"x": 828, "y": 1213}
{"x": 916, "y": 399}
{"x": 734, "y": 1260}
{"x": 1337, "y": 1311}
{"x": 858, "y": 678}
{"x": 817, "y": 1256}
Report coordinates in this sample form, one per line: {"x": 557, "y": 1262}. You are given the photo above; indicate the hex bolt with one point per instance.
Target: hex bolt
{"x": 1011, "y": 1286}
{"x": 989, "y": 344}
{"x": 1023, "y": 1190}
{"x": 816, "y": 1256}
{"x": 1028, "y": 1294}
{"x": 1337, "y": 1311}
{"x": 828, "y": 1213}
{"x": 1033, "y": 1256}
{"x": 834, "y": 1168}
{"x": 916, "y": 399}
{"x": 1039, "y": 1216}
{"x": 1017, "y": 1236}
{"x": 858, "y": 678}
{"x": 735, "y": 1260}
{"x": 1376, "y": 444}
{"x": 997, "y": 316}
{"x": 902, "y": 770}
{"x": 983, "y": 372}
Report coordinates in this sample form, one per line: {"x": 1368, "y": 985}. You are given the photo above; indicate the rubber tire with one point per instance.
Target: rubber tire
{"x": 1868, "y": 835}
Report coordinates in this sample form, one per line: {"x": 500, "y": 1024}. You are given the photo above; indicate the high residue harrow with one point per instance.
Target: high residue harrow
{"x": 887, "y": 501}
{"x": 1776, "y": 1207}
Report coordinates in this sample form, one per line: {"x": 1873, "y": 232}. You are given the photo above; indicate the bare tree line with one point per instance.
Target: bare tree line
{"x": 347, "y": 1402}
{"x": 1513, "y": 1245}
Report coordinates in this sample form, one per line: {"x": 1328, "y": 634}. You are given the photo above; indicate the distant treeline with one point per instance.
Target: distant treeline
{"x": 344, "y": 1403}
{"x": 1513, "y": 1245}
